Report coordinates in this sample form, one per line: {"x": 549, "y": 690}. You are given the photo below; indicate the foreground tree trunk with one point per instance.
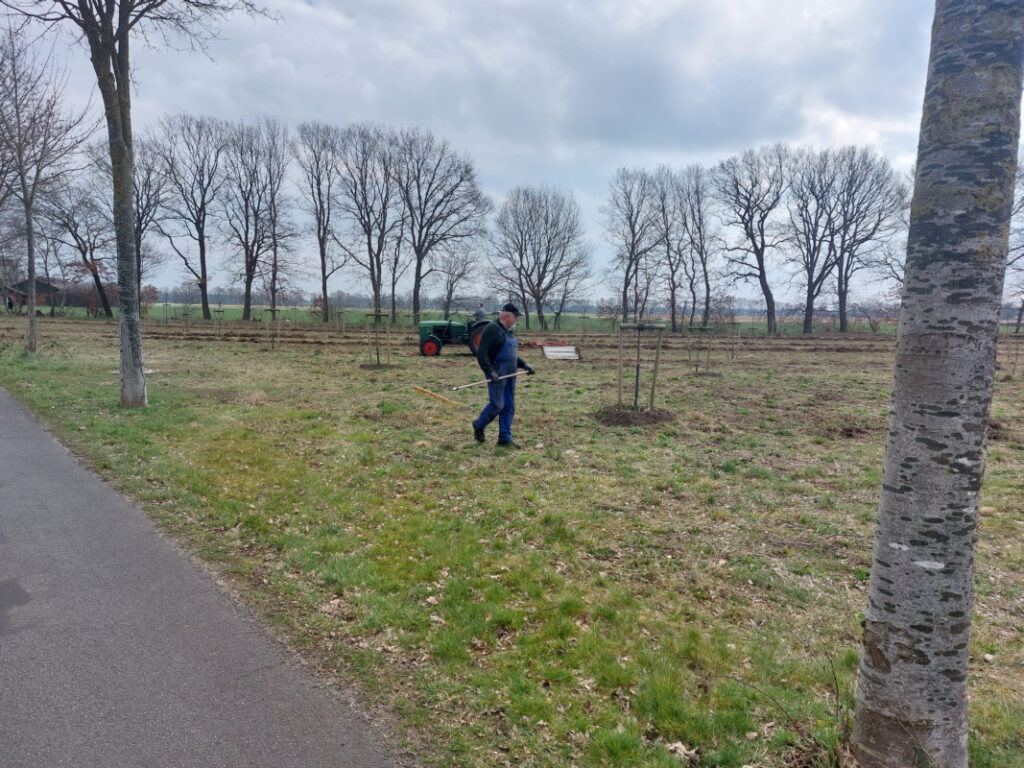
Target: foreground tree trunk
{"x": 109, "y": 53}
{"x": 117, "y": 106}
{"x": 912, "y": 697}
{"x": 30, "y": 288}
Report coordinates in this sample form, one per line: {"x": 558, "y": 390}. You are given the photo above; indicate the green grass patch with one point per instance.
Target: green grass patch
{"x": 593, "y": 599}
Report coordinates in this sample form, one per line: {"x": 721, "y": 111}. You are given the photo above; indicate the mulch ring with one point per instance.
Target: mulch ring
{"x": 627, "y": 417}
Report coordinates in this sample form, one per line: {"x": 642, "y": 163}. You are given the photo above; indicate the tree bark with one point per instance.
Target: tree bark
{"x": 101, "y": 294}
{"x": 115, "y": 91}
{"x": 30, "y": 286}
{"x": 912, "y": 696}
{"x": 808, "y": 328}
{"x": 417, "y": 281}
{"x": 769, "y": 307}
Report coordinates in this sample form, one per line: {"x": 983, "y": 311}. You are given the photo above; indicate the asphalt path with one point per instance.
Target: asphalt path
{"x": 117, "y": 651}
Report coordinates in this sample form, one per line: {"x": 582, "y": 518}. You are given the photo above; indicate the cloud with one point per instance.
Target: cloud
{"x": 538, "y": 77}
{"x": 563, "y": 93}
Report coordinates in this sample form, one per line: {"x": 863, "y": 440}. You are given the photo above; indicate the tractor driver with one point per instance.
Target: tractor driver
{"x": 498, "y": 356}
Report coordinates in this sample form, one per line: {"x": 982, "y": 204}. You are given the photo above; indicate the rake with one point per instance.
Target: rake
{"x": 436, "y": 396}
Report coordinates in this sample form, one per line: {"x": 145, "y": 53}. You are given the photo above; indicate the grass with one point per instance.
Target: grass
{"x": 594, "y": 599}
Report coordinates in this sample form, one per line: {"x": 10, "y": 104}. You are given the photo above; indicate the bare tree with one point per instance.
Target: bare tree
{"x": 36, "y": 133}
{"x": 79, "y": 218}
{"x": 12, "y": 235}
{"x": 149, "y": 187}
{"x": 454, "y": 266}
{"x": 245, "y": 203}
{"x": 369, "y": 200}
{"x": 812, "y": 200}
{"x": 191, "y": 151}
{"x": 399, "y": 261}
{"x": 1015, "y": 259}
{"x": 574, "y": 288}
{"x": 54, "y": 265}
{"x": 538, "y": 239}
{"x": 8, "y": 163}
{"x": 877, "y": 311}
{"x": 912, "y": 695}
{"x": 703, "y": 238}
{"x": 634, "y": 230}
{"x": 671, "y": 215}
{"x": 276, "y": 152}
{"x": 751, "y": 189}
{"x": 441, "y": 201}
{"x": 318, "y": 152}
{"x": 107, "y": 26}
{"x": 649, "y": 276}
{"x": 870, "y": 206}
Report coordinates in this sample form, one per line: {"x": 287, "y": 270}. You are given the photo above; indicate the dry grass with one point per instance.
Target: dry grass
{"x": 597, "y": 598}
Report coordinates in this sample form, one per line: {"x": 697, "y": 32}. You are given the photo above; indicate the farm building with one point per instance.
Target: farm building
{"x": 16, "y": 295}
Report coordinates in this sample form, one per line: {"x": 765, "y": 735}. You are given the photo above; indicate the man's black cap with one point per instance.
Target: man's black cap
{"x": 511, "y": 308}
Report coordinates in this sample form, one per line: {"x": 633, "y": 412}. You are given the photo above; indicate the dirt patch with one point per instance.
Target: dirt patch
{"x": 376, "y": 366}
{"x": 997, "y": 431}
{"x": 613, "y": 417}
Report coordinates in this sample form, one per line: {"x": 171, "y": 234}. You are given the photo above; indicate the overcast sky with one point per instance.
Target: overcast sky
{"x": 564, "y": 92}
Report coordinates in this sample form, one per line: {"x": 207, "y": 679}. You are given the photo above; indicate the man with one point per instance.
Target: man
{"x": 498, "y": 356}
{"x": 480, "y": 313}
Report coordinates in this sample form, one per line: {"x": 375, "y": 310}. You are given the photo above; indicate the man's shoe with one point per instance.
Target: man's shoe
{"x": 508, "y": 444}
{"x": 478, "y": 434}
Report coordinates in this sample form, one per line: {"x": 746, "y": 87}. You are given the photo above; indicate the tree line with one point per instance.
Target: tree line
{"x": 813, "y": 217}
{"x": 400, "y": 206}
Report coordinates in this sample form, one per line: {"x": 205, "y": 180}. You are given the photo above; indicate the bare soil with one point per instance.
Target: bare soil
{"x": 612, "y": 416}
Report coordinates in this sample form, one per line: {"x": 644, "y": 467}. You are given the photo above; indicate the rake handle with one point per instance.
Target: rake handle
{"x": 488, "y": 381}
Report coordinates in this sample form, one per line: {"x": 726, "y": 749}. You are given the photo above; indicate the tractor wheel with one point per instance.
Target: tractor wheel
{"x": 430, "y": 346}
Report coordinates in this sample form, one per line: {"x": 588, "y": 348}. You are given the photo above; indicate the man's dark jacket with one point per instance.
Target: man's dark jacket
{"x": 491, "y": 342}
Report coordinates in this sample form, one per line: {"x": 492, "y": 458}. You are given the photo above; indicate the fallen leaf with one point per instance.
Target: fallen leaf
{"x": 683, "y": 752}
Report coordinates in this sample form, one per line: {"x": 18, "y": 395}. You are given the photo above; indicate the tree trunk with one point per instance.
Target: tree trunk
{"x": 116, "y": 95}
{"x": 204, "y": 297}
{"x": 417, "y": 280}
{"x": 912, "y": 696}
{"x": 769, "y": 307}
{"x": 325, "y": 310}
{"x": 705, "y": 317}
{"x": 101, "y": 294}
{"x": 247, "y": 295}
{"x": 204, "y": 277}
{"x": 809, "y": 312}
{"x": 1020, "y": 316}
{"x": 378, "y": 301}
{"x": 273, "y": 281}
{"x": 844, "y": 323}
{"x": 30, "y": 286}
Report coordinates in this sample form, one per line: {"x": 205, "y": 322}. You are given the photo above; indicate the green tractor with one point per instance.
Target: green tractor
{"x": 434, "y": 334}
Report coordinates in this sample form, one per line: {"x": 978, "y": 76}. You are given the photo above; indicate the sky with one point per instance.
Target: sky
{"x": 560, "y": 92}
